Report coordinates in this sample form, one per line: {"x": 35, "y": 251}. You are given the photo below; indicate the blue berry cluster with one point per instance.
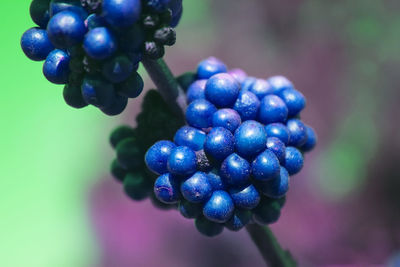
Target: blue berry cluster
{"x": 94, "y": 46}
{"x": 231, "y": 164}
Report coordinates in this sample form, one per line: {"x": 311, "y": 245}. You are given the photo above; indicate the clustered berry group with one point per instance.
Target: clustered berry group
{"x": 94, "y": 46}
{"x": 232, "y": 163}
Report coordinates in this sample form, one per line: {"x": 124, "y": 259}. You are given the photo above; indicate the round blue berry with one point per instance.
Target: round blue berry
{"x": 190, "y": 137}
{"x": 117, "y": 69}
{"x": 196, "y": 90}
{"x": 226, "y": 118}
{"x": 215, "y": 181}
{"x": 36, "y": 44}
{"x": 279, "y": 83}
{"x": 94, "y": 21}
{"x": 56, "y": 67}
{"x": 121, "y": 13}
{"x": 245, "y": 198}
{"x": 294, "y": 100}
{"x": 272, "y": 109}
{"x": 156, "y": 157}
{"x": 247, "y": 105}
{"x": 265, "y": 166}
{"x": 208, "y": 228}
{"x": 222, "y": 90}
{"x": 261, "y": 88}
{"x": 239, "y": 219}
{"x": 293, "y": 160}
{"x": 235, "y": 170}
{"x": 250, "y": 139}
{"x": 97, "y": 91}
{"x": 66, "y": 29}
{"x": 199, "y": 113}
{"x": 182, "y": 161}
{"x": 311, "y": 140}
{"x": 278, "y": 130}
{"x": 39, "y": 11}
{"x": 247, "y": 83}
{"x": 219, "y": 143}
{"x": 116, "y": 107}
{"x": 190, "y": 210}
{"x": 267, "y": 212}
{"x": 219, "y": 208}
{"x": 132, "y": 87}
{"x": 57, "y": 6}
{"x": 210, "y": 67}
{"x": 166, "y": 188}
{"x": 297, "y": 132}
{"x": 100, "y": 43}
{"x": 238, "y": 74}
{"x": 277, "y": 187}
{"x": 278, "y": 147}
{"x": 196, "y": 188}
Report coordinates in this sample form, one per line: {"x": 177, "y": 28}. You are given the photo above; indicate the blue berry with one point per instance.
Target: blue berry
{"x": 261, "y": 88}
{"x": 117, "y": 69}
{"x": 215, "y": 181}
{"x": 97, "y": 91}
{"x": 278, "y": 130}
{"x": 219, "y": 143}
{"x": 297, "y": 132}
{"x": 116, "y": 107}
{"x": 265, "y": 166}
{"x": 121, "y": 13}
{"x": 293, "y": 160}
{"x": 222, "y": 90}
{"x": 132, "y": 87}
{"x": 190, "y": 137}
{"x": 66, "y": 29}
{"x": 278, "y": 147}
{"x": 210, "y": 67}
{"x": 196, "y": 91}
{"x": 196, "y": 188}
{"x": 36, "y": 44}
{"x": 166, "y": 189}
{"x": 219, "y": 208}
{"x": 294, "y": 100}
{"x": 272, "y": 109}
{"x": 247, "y": 83}
{"x": 39, "y": 11}
{"x": 279, "y": 83}
{"x": 277, "y": 187}
{"x": 56, "y": 67}
{"x": 156, "y": 157}
{"x": 235, "y": 170}
{"x": 190, "y": 210}
{"x": 182, "y": 161}
{"x": 94, "y": 21}
{"x": 267, "y": 212}
{"x": 250, "y": 139}
{"x": 208, "y": 228}
{"x": 245, "y": 198}
{"x": 100, "y": 43}
{"x": 238, "y": 74}
{"x": 247, "y": 105}
{"x": 226, "y": 118}
{"x": 311, "y": 140}
{"x": 239, "y": 219}
{"x": 199, "y": 113}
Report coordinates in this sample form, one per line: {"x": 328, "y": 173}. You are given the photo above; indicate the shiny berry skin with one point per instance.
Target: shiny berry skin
{"x": 293, "y": 160}
{"x": 216, "y": 181}
{"x": 196, "y": 188}
{"x": 278, "y": 187}
{"x": 250, "y": 139}
{"x": 248, "y": 83}
{"x": 294, "y": 100}
{"x": 279, "y": 83}
{"x": 272, "y": 109}
{"x": 222, "y": 90}
{"x": 73, "y": 96}
{"x": 166, "y": 188}
{"x": 182, "y": 161}
{"x": 235, "y": 170}
{"x": 97, "y": 91}
{"x": 261, "y": 88}
{"x": 190, "y": 137}
{"x": 39, "y": 11}
{"x": 208, "y": 228}
{"x": 226, "y": 118}
{"x": 36, "y": 44}
{"x": 247, "y": 105}
{"x": 278, "y": 130}
{"x": 267, "y": 212}
{"x": 239, "y": 219}
{"x": 121, "y": 13}
{"x": 196, "y": 91}
{"x": 189, "y": 210}
{"x": 116, "y": 107}
{"x": 210, "y": 67}
{"x": 100, "y": 43}
{"x": 132, "y": 87}
{"x": 297, "y": 132}
{"x": 94, "y": 21}
{"x": 277, "y": 147}
{"x": 219, "y": 208}
{"x": 117, "y": 69}
{"x": 66, "y": 29}
{"x": 156, "y": 157}
{"x": 199, "y": 113}
{"x": 56, "y": 67}
{"x": 311, "y": 140}
{"x": 245, "y": 198}
{"x": 265, "y": 166}
{"x": 219, "y": 143}
{"x": 238, "y": 74}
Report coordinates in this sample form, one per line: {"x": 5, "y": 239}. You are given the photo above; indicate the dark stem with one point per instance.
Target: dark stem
{"x": 169, "y": 89}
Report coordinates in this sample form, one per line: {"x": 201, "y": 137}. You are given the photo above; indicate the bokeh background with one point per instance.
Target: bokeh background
{"x": 60, "y": 207}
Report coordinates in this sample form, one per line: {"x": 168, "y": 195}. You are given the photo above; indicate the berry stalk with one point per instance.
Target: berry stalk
{"x": 262, "y": 236}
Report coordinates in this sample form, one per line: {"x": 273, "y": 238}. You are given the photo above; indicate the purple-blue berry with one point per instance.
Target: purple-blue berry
{"x": 226, "y": 118}
{"x": 94, "y": 21}
{"x": 210, "y": 67}
{"x": 293, "y": 160}
{"x": 199, "y": 113}
{"x": 297, "y": 132}
{"x": 216, "y": 181}
{"x": 219, "y": 143}
{"x": 190, "y": 137}
{"x": 56, "y": 67}
{"x": 272, "y": 109}
{"x": 239, "y": 219}
{"x": 239, "y": 75}
{"x": 222, "y": 90}
{"x": 100, "y": 43}
{"x": 278, "y": 130}
{"x": 235, "y": 170}
{"x": 277, "y": 187}
{"x": 36, "y": 44}
{"x": 277, "y": 147}
{"x": 265, "y": 166}
{"x": 166, "y": 188}
{"x": 311, "y": 140}
{"x": 219, "y": 208}
{"x": 294, "y": 100}
{"x": 196, "y": 91}
{"x": 247, "y": 83}
{"x": 121, "y": 13}
{"x": 247, "y": 105}
{"x": 182, "y": 161}
{"x": 196, "y": 188}
{"x": 279, "y": 83}
{"x": 250, "y": 139}
{"x": 156, "y": 157}
{"x": 245, "y": 198}
{"x": 117, "y": 69}
{"x": 261, "y": 88}
{"x": 190, "y": 210}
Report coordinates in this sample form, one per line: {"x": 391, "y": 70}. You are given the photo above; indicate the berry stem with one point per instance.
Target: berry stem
{"x": 269, "y": 246}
